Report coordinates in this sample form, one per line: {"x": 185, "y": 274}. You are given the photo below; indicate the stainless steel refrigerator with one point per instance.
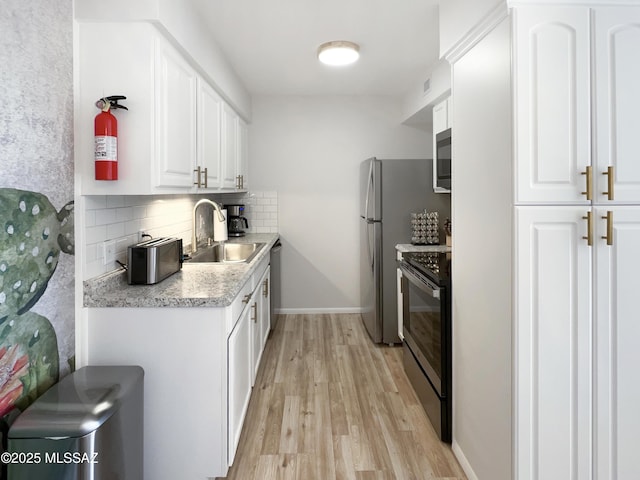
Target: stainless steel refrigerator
{"x": 389, "y": 191}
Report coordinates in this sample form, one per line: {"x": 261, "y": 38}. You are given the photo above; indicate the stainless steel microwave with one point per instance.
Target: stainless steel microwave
{"x": 442, "y": 163}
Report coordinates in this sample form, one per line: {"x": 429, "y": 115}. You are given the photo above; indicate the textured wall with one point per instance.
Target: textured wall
{"x": 36, "y": 155}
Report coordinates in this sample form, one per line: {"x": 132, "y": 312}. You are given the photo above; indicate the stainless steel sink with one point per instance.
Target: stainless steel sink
{"x": 227, "y": 253}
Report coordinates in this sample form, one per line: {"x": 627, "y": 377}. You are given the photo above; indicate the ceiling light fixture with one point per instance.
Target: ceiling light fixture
{"x": 338, "y": 53}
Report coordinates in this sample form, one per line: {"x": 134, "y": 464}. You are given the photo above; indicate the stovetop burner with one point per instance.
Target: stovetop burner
{"x": 435, "y": 265}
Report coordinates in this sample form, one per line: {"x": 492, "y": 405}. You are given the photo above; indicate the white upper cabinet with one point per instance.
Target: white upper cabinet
{"x": 175, "y": 126}
{"x": 209, "y": 137}
{"x": 243, "y": 155}
{"x": 617, "y": 104}
{"x": 578, "y": 105}
{"x": 553, "y": 125}
{"x": 441, "y": 116}
{"x": 175, "y": 137}
{"x": 229, "y": 147}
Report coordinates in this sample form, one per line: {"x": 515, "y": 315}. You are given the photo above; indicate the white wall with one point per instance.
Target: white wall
{"x": 418, "y": 104}
{"x": 309, "y": 150}
{"x": 458, "y": 17}
{"x": 482, "y": 262}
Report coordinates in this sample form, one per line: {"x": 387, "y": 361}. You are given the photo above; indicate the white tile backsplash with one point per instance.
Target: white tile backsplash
{"x": 119, "y": 218}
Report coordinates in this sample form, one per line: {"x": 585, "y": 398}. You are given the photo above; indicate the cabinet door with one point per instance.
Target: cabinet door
{"x": 209, "y": 129}
{"x": 617, "y": 77}
{"x": 617, "y": 355}
{"x": 175, "y": 118}
{"x": 239, "y": 388}
{"x": 133, "y": 44}
{"x": 440, "y": 117}
{"x": 265, "y": 307}
{"x": 552, "y": 121}
{"x": 553, "y": 344}
{"x": 229, "y": 146}
{"x": 256, "y": 342}
{"x": 243, "y": 154}
{"x": 260, "y": 325}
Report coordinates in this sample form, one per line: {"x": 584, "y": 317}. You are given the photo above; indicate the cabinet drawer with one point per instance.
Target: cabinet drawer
{"x": 257, "y": 275}
{"x": 239, "y": 304}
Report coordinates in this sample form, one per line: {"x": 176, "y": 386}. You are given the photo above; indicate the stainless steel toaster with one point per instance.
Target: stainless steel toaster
{"x": 153, "y": 260}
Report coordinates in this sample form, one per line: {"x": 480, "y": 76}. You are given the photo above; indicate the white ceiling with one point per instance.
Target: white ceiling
{"x": 272, "y": 44}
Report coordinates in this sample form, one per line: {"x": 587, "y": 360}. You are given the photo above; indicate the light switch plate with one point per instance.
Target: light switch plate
{"x": 109, "y": 252}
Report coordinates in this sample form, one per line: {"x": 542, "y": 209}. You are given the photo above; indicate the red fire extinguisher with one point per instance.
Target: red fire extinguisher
{"x": 106, "y": 138}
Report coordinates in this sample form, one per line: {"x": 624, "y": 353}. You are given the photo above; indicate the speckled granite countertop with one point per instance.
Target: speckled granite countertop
{"x": 196, "y": 285}
{"x": 408, "y": 247}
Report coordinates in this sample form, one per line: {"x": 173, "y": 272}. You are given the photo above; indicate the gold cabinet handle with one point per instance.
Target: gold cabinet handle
{"x": 254, "y": 308}
{"x": 589, "y": 237}
{"x": 265, "y": 288}
{"x": 609, "y": 218}
{"x": 588, "y": 192}
{"x": 610, "y": 179}
{"x": 197, "y": 171}
{"x": 246, "y": 298}
{"x": 206, "y": 177}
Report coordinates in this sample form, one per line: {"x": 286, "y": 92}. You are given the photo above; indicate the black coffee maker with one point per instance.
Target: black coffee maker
{"x": 237, "y": 223}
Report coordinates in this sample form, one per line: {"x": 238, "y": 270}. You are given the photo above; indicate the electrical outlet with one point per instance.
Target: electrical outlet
{"x": 140, "y": 235}
{"x": 109, "y": 252}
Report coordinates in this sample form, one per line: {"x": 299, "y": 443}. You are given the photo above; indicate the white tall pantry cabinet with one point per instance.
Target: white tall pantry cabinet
{"x": 578, "y": 161}
{"x": 575, "y": 239}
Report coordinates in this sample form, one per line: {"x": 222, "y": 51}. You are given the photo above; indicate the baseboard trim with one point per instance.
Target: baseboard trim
{"x": 462, "y": 460}
{"x": 310, "y": 311}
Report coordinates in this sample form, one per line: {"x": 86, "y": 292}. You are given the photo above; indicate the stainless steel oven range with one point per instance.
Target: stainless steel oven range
{"x": 426, "y": 294}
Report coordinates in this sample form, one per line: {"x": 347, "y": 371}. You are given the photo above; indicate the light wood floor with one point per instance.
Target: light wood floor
{"x": 329, "y": 404}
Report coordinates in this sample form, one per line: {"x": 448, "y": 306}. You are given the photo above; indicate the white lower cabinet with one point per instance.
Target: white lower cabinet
{"x": 265, "y": 310}
{"x": 245, "y": 347}
{"x": 261, "y": 321}
{"x": 183, "y": 352}
{"x": 577, "y": 354}
{"x": 199, "y": 370}
{"x": 240, "y": 377}
{"x": 617, "y": 331}
{"x": 554, "y": 344}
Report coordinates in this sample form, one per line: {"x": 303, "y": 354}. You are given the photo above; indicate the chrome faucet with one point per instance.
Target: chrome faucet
{"x": 217, "y": 209}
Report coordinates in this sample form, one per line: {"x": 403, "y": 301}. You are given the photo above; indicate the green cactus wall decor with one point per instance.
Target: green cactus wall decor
{"x": 32, "y": 237}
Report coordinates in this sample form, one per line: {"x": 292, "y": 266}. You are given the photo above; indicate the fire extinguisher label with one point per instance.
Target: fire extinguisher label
{"x": 106, "y": 148}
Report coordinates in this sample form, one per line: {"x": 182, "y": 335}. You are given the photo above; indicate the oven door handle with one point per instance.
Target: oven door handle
{"x": 422, "y": 283}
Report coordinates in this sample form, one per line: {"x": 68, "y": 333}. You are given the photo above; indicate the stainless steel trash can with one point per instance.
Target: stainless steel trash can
{"x": 89, "y": 426}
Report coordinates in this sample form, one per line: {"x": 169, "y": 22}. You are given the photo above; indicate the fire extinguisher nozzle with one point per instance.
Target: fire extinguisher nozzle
{"x": 111, "y": 102}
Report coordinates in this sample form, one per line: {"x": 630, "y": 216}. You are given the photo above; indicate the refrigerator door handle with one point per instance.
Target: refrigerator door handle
{"x": 369, "y": 246}
{"x": 365, "y": 214}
